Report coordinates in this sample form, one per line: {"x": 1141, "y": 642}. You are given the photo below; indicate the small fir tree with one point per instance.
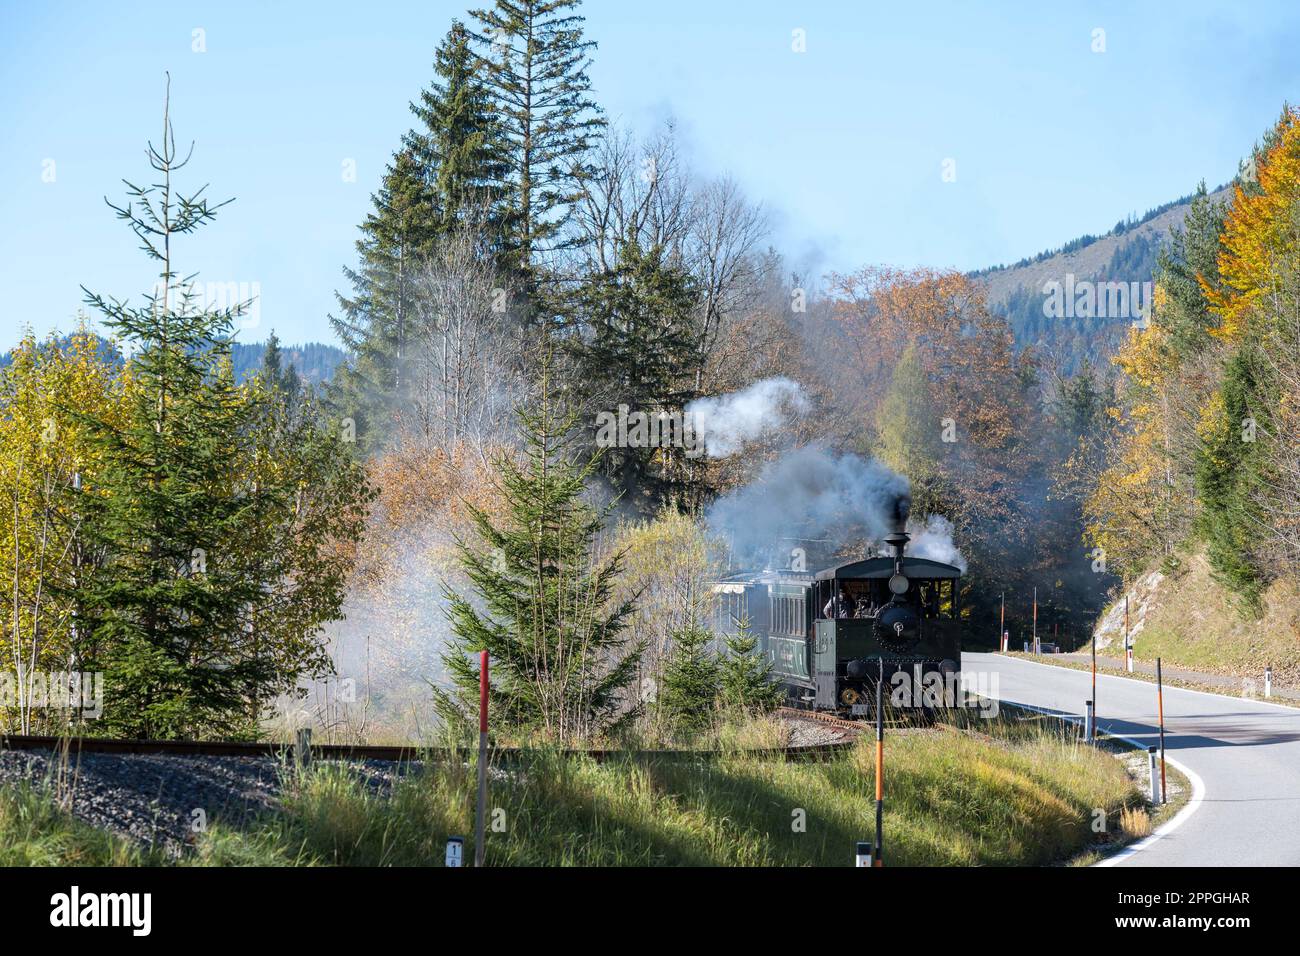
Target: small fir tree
{"x": 744, "y": 676}
{"x": 561, "y": 657}
{"x": 689, "y": 687}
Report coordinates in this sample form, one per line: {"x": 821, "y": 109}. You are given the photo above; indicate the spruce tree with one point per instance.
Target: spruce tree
{"x": 744, "y": 676}
{"x": 220, "y": 517}
{"x": 535, "y": 62}
{"x": 377, "y": 319}
{"x": 561, "y": 658}
{"x": 167, "y": 510}
{"x": 641, "y": 317}
{"x": 283, "y": 384}
{"x": 458, "y": 141}
{"x": 1185, "y": 268}
{"x": 689, "y": 686}
{"x": 1230, "y": 468}
{"x": 449, "y": 172}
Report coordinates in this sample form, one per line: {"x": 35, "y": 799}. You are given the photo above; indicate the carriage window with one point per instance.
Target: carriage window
{"x": 728, "y": 612}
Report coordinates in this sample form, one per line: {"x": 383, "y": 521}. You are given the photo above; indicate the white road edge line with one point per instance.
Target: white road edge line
{"x": 1133, "y": 680}
{"x": 1181, "y": 817}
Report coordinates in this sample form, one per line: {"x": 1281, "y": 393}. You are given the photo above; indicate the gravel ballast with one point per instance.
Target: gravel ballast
{"x": 155, "y": 799}
{"x": 161, "y": 799}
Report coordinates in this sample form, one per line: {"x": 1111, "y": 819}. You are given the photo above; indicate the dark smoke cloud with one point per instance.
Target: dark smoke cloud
{"x": 843, "y": 501}
{"x": 808, "y": 493}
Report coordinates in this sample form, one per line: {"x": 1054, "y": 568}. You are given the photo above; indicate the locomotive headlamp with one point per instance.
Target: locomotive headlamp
{"x": 898, "y": 583}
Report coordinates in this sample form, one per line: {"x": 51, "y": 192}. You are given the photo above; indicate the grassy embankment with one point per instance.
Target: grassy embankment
{"x": 1193, "y": 621}
{"x": 1015, "y": 793}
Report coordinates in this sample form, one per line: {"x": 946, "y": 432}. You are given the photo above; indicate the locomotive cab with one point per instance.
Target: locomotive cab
{"x": 902, "y": 612}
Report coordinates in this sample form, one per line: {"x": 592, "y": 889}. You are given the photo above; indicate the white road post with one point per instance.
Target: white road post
{"x": 1089, "y": 723}
{"x": 863, "y": 856}
{"x": 1268, "y": 681}
{"x": 1157, "y": 797}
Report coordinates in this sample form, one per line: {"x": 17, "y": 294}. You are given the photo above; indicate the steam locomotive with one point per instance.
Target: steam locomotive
{"x": 827, "y": 632}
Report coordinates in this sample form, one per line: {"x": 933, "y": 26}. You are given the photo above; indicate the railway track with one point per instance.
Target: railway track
{"x": 842, "y": 723}
{"x": 401, "y": 753}
{"x": 894, "y": 720}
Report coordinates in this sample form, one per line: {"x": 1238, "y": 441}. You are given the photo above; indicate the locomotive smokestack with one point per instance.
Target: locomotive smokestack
{"x": 902, "y": 508}
{"x": 898, "y": 536}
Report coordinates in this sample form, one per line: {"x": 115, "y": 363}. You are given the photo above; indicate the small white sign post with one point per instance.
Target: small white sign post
{"x": 1157, "y": 797}
{"x": 455, "y": 851}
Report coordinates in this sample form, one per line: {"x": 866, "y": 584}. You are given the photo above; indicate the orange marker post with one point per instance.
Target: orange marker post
{"x": 1002, "y": 623}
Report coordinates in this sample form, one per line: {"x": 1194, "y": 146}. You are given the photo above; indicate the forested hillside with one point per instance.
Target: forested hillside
{"x": 313, "y": 362}
{"x": 1127, "y": 254}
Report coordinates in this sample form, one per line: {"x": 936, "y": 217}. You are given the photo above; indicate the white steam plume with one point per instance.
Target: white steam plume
{"x": 725, "y": 423}
{"x": 933, "y": 540}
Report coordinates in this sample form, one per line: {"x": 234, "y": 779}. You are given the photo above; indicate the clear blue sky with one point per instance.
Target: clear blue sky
{"x": 844, "y": 143}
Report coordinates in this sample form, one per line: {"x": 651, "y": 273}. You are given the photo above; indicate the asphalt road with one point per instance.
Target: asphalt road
{"x": 1245, "y": 753}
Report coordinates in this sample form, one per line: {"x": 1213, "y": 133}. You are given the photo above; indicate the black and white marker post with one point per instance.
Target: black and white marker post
{"x": 1160, "y": 713}
{"x": 455, "y": 851}
{"x": 880, "y": 766}
{"x": 1092, "y": 732}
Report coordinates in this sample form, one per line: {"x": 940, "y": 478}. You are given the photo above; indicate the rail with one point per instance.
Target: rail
{"x": 397, "y": 753}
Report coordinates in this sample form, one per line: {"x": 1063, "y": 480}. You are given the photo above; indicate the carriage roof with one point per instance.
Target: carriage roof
{"x": 884, "y": 567}
{"x": 919, "y": 568}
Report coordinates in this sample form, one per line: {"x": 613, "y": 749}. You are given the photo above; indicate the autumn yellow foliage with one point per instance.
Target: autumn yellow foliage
{"x": 1260, "y": 230}
{"x": 48, "y": 394}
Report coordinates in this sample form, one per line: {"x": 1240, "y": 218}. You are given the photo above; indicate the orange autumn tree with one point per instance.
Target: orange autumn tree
{"x": 1139, "y": 504}
{"x": 943, "y": 397}
{"x": 1260, "y": 231}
